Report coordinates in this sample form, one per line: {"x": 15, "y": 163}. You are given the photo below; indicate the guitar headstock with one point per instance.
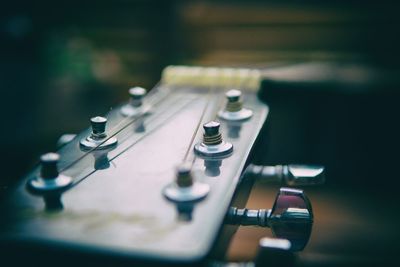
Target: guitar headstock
{"x": 154, "y": 179}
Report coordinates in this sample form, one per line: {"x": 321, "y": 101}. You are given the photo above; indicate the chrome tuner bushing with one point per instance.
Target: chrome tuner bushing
{"x": 135, "y": 105}
{"x": 213, "y": 145}
{"x": 234, "y": 110}
{"x": 185, "y": 188}
{"x": 98, "y": 138}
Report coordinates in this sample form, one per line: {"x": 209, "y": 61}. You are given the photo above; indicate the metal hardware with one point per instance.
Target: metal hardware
{"x": 49, "y": 179}
{"x": 65, "y": 139}
{"x": 135, "y": 105}
{"x": 271, "y": 252}
{"x": 185, "y": 188}
{"x": 291, "y": 217}
{"x": 234, "y": 110}
{"x": 49, "y": 183}
{"x": 98, "y": 136}
{"x": 213, "y": 145}
{"x": 292, "y": 174}
{"x": 274, "y": 252}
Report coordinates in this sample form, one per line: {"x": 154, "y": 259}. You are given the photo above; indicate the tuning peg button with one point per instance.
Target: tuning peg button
{"x": 234, "y": 110}
{"x": 65, "y": 139}
{"x": 213, "y": 145}
{"x": 49, "y": 168}
{"x": 233, "y": 96}
{"x": 292, "y": 174}
{"x": 135, "y": 105}
{"x": 98, "y": 138}
{"x": 137, "y": 94}
{"x": 185, "y": 188}
{"x": 98, "y": 126}
{"x": 212, "y": 129}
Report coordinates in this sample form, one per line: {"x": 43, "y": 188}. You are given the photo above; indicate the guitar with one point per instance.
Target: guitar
{"x": 161, "y": 179}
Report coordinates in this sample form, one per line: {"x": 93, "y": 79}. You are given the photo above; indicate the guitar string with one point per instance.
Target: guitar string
{"x": 210, "y": 91}
{"x": 77, "y": 181}
{"x": 217, "y": 107}
{"x": 198, "y": 125}
{"x": 154, "y": 90}
{"x": 130, "y": 122}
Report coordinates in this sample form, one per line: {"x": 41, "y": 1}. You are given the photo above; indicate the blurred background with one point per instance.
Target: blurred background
{"x": 65, "y": 61}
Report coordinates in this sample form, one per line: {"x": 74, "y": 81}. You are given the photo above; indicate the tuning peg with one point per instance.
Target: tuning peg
{"x": 49, "y": 183}
{"x": 185, "y": 188}
{"x": 213, "y": 145}
{"x": 98, "y": 138}
{"x": 65, "y": 139}
{"x": 134, "y": 107}
{"x": 292, "y": 174}
{"x": 234, "y": 110}
{"x": 291, "y": 217}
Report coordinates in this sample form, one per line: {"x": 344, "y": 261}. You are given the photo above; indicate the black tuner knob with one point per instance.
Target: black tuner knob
{"x": 292, "y": 174}
{"x": 48, "y": 164}
{"x": 211, "y": 128}
{"x": 291, "y": 217}
{"x": 98, "y": 127}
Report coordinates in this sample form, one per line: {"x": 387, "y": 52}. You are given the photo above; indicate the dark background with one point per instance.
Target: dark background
{"x": 62, "y": 62}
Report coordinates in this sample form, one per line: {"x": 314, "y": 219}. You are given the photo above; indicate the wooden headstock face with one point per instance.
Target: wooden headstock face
{"x": 116, "y": 203}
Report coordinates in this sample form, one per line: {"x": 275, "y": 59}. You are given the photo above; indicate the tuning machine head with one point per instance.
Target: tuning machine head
{"x": 292, "y": 174}
{"x": 291, "y": 217}
{"x": 135, "y": 105}
{"x": 298, "y": 175}
{"x": 234, "y": 110}
{"x": 49, "y": 183}
{"x": 98, "y": 138}
{"x": 185, "y": 188}
{"x": 213, "y": 145}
